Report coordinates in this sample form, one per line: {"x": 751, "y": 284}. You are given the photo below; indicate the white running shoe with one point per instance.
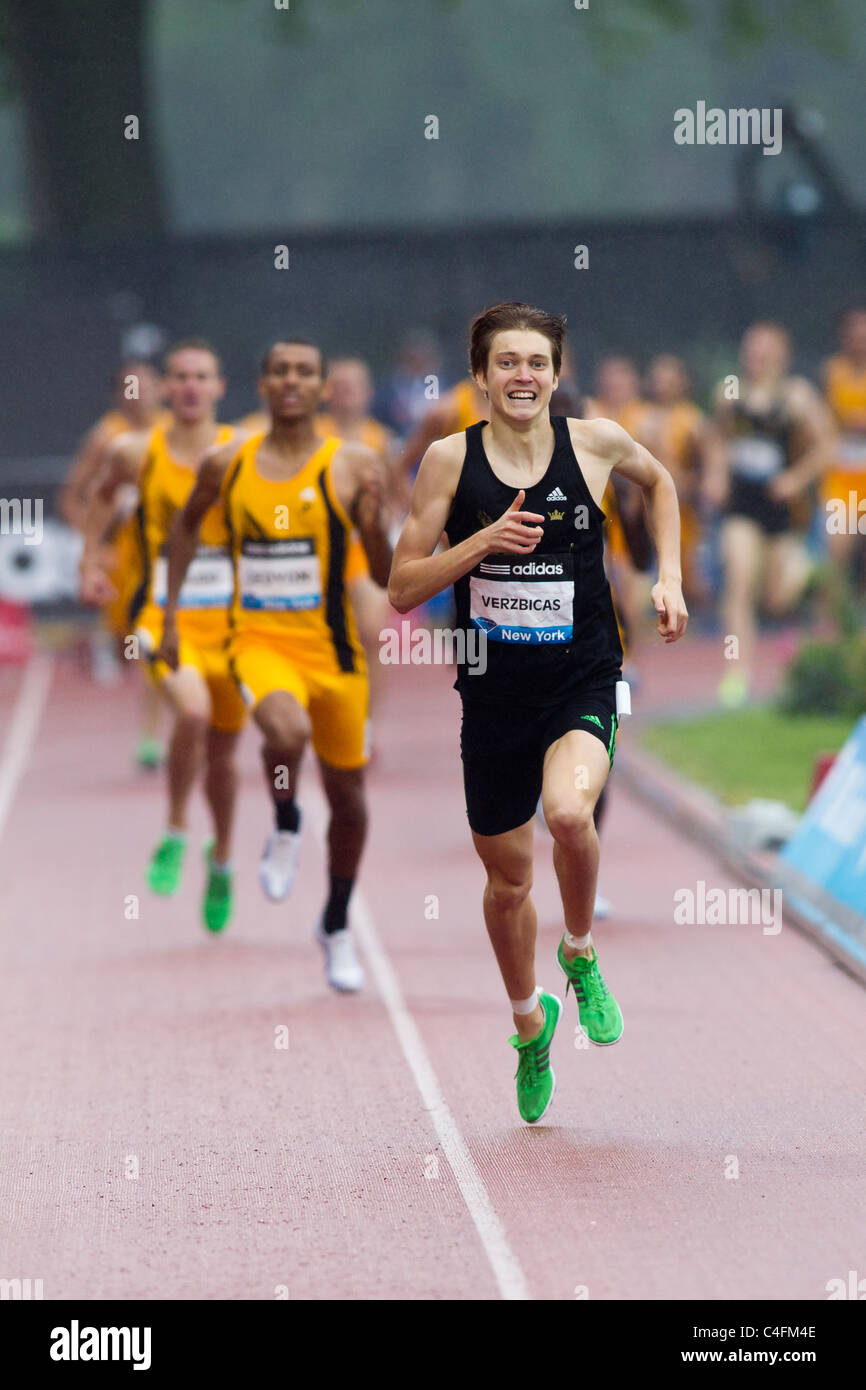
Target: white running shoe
{"x": 279, "y": 864}
{"x": 343, "y": 970}
{"x": 601, "y": 908}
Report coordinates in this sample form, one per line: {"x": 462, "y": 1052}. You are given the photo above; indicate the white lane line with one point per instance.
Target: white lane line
{"x": 32, "y": 694}
{"x": 506, "y": 1268}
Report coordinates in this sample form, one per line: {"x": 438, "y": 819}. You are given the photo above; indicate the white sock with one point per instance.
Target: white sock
{"x": 174, "y": 834}
{"x": 577, "y": 943}
{"x": 524, "y": 1006}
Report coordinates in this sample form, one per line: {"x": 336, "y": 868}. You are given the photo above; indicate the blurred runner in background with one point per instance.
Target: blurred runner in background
{"x": 845, "y": 393}
{"x": 138, "y": 406}
{"x": 673, "y": 428}
{"x": 208, "y": 709}
{"x": 770, "y": 442}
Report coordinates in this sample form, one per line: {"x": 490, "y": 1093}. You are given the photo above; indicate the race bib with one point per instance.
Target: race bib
{"x": 524, "y": 600}
{"x": 280, "y": 574}
{"x": 209, "y": 581}
{"x": 756, "y": 459}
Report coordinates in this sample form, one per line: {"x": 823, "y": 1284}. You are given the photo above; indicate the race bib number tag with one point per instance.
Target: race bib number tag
{"x": 281, "y": 575}
{"x": 524, "y": 600}
{"x": 756, "y": 459}
{"x": 208, "y": 583}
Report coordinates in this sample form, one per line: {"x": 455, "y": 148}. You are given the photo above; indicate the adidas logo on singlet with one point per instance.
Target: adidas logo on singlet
{"x": 557, "y": 495}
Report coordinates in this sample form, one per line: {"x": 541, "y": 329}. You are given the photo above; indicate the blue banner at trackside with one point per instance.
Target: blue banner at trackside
{"x": 829, "y": 844}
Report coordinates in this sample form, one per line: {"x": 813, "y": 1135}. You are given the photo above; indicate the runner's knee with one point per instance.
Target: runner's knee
{"x": 505, "y": 892}
{"x": 570, "y": 821}
{"x": 284, "y": 723}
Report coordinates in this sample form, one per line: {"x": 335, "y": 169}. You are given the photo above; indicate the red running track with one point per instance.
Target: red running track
{"x": 155, "y": 1143}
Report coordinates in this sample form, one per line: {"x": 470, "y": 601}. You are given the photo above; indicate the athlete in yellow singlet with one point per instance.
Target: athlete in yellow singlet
{"x": 459, "y": 408}
{"x": 348, "y": 399}
{"x": 137, "y": 407}
{"x": 845, "y": 393}
{"x": 673, "y": 428}
{"x": 208, "y": 711}
{"x": 291, "y": 501}
{"x": 617, "y": 397}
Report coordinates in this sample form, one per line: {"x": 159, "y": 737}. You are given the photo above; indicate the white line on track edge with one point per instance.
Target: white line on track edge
{"x": 506, "y": 1268}
{"x": 32, "y": 694}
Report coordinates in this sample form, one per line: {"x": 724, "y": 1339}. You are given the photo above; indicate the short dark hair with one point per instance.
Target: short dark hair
{"x": 198, "y": 344}
{"x": 500, "y": 318}
{"x": 265, "y": 362}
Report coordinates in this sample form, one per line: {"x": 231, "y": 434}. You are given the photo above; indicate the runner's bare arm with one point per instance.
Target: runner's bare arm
{"x": 183, "y": 539}
{"x": 635, "y": 462}
{"x": 77, "y": 488}
{"x": 815, "y": 437}
{"x": 370, "y": 480}
{"x": 120, "y": 468}
{"x": 417, "y": 574}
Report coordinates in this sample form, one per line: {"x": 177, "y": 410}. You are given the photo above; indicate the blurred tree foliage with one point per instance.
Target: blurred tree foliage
{"x": 79, "y": 69}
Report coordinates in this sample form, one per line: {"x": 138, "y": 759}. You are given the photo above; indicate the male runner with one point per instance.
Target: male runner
{"x": 845, "y": 393}
{"x": 208, "y": 711}
{"x": 673, "y": 427}
{"x": 768, "y": 445}
{"x": 291, "y": 501}
{"x": 137, "y": 407}
{"x": 347, "y": 415}
{"x": 542, "y": 716}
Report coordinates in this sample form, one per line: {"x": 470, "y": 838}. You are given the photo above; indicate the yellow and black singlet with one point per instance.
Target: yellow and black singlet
{"x": 204, "y": 599}
{"x": 289, "y": 541}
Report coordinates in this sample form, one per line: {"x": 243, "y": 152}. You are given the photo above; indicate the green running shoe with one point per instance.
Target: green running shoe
{"x": 148, "y": 754}
{"x": 536, "y": 1082}
{"x": 600, "y": 1017}
{"x": 166, "y": 865}
{"x": 217, "y": 904}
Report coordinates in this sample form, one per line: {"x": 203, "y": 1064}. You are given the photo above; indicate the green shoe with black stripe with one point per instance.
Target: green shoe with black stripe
{"x": 536, "y": 1082}
{"x": 600, "y": 1016}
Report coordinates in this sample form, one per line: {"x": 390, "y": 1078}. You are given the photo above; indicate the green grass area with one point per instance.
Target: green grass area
{"x": 741, "y": 754}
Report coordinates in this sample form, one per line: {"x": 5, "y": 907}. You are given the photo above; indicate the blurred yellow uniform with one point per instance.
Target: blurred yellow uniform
{"x": 846, "y": 397}
{"x": 206, "y": 595}
{"x": 292, "y": 626}
{"x": 125, "y": 570}
{"x": 375, "y": 436}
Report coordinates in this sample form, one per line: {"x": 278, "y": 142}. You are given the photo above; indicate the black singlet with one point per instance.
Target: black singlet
{"x": 548, "y": 616}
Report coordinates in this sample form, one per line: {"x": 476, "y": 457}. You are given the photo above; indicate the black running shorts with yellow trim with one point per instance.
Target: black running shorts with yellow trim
{"x": 503, "y": 748}
{"x": 338, "y": 702}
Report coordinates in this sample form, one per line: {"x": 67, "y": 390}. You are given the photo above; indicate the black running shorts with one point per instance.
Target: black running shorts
{"x": 503, "y": 748}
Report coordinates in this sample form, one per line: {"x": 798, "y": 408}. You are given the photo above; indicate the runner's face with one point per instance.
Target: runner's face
{"x": 617, "y": 382}
{"x": 292, "y": 386}
{"x": 350, "y": 389}
{"x": 520, "y": 379}
{"x": 666, "y": 381}
{"x": 192, "y": 385}
{"x": 764, "y": 354}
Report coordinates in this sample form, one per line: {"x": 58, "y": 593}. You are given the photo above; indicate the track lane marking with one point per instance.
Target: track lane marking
{"x": 503, "y": 1261}
{"x": 23, "y": 727}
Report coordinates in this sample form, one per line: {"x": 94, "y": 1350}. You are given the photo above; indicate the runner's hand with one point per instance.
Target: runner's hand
{"x": 370, "y": 496}
{"x": 169, "y": 647}
{"x": 668, "y": 601}
{"x": 784, "y": 486}
{"x": 514, "y": 533}
{"x": 96, "y": 587}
